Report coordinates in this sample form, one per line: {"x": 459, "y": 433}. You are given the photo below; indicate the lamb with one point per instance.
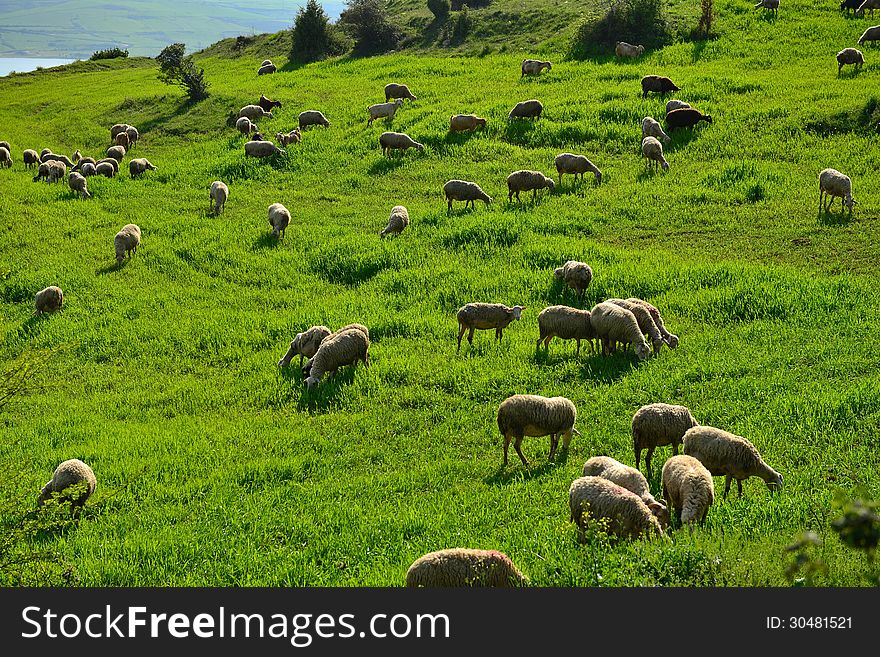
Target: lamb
{"x": 646, "y": 322}
{"x": 254, "y": 112}
{"x": 244, "y": 125}
{"x": 292, "y": 137}
{"x": 652, "y": 150}
{"x": 658, "y": 84}
{"x": 622, "y": 512}
{"x": 534, "y": 66}
{"x": 651, "y": 127}
{"x": 463, "y": 122}
{"x": 54, "y": 157}
{"x": 726, "y": 454}
{"x": 871, "y": 34}
{"x": 126, "y": 242}
{"x": 849, "y": 56}
{"x": 675, "y": 104}
{"x": 390, "y": 141}
{"x": 70, "y": 473}
{"x": 383, "y": 110}
{"x": 267, "y": 69}
{"x": 52, "y": 171}
{"x": 268, "y": 104}
{"x": 576, "y": 275}
{"x": 656, "y": 425}
{"x": 305, "y": 344}
{"x": 393, "y": 90}
{"x": 627, "y": 477}
{"x": 262, "y": 149}
{"x": 48, "y": 300}
{"x": 343, "y": 348}
{"x": 484, "y": 316}
{"x": 116, "y": 152}
{"x": 218, "y": 195}
{"x": 685, "y": 117}
{"x": 116, "y": 129}
{"x": 688, "y": 488}
{"x": 138, "y": 165}
{"x": 88, "y": 169}
{"x": 832, "y": 184}
{"x": 133, "y": 135}
{"x": 463, "y": 190}
{"x": 464, "y": 567}
{"x": 122, "y": 140}
{"x": 772, "y": 5}
{"x": 525, "y": 180}
{"x": 576, "y": 165}
{"x": 312, "y": 117}
{"x": 30, "y": 158}
{"x": 77, "y": 183}
{"x": 565, "y": 323}
{"x": 105, "y": 169}
{"x": 398, "y": 220}
{"x": 533, "y": 415}
{"x": 624, "y": 49}
{"x": 279, "y": 219}
{"x": 5, "y": 157}
{"x": 528, "y": 109}
{"x": 615, "y": 324}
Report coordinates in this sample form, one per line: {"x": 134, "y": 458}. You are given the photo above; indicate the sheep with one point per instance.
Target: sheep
{"x": 257, "y": 136}
{"x": 244, "y": 125}
{"x": 116, "y": 152}
{"x": 675, "y": 104}
{"x": 850, "y": 56}
{"x": 266, "y": 62}
{"x": 524, "y": 181}
{"x": 685, "y": 117}
{"x": 656, "y": 425}
{"x": 652, "y": 150}
{"x": 279, "y": 219}
{"x": 77, "y": 183}
{"x": 138, "y": 165}
{"x": 393, "y": 90}
{"x": 5, "y": 157}
{"x": 48, "y": 300}
{"x": 30, "y": 158}
{"x": 52, "y": 171}
{"x": 113, "y": 162}
{"x": 343, "y": 348}
{"x": 267, "y": 104}
{"x": 383, "y": 110}
{"x": 105, "y": 169}
{"x": 651, "y": 127}
{"x": 565, "y": 323}
{"x": 116, "y": 129}
{"x": 88, "y": 169}
{"x": 262, "y": 149}
{"x": 390, "y": 141}
{"x": 43, "y": 152}
{"x": 307, "y": 367}
{"x": 464, "y": 567}
{"x": 218, "y": 195}
{"x": 576, "y": 275}
{"x": 687, "y": 488}
{"x": 658, "y": 84}
{"x": 622, "y": 512}
{"x": 398, "y": 220}
{"x": 534, "y": 415}
{"x": 463, "y": 190}
{"x": 484, "y": 316}
{"x": 267, "y": 69}
{"x": 528, "y": 109}
{"x": 832, "y": 183}
{"x": 726, "y": 454}
{"x": 624, "y": 49}
{"x": 871, "y": 34}
{"x": 850, "y": 4}
{"x": 292, "y": 137}
{"x": 463, "y": 122}
{"x": 254, "y": 112}
{"x": 615, "y": 324}
{"x": 772, "y": 5}
{"x": 576, "y": 165}
{"x": 627, "y": 477}
{"x": 122, "y": 140}
{"x": 54, "y": 157}
{"x": 70, "y": 473}
{"x": 84, "y": 161}
{"x": 126, "y": 242}
{"x": 646, "y": 323}
{"x": 534, "y": 66}
{"x": 5, "y": 144}
{"x": 312, "y": 117}
{"x": 133, "y": 135}
{"x": 305, "y": 344}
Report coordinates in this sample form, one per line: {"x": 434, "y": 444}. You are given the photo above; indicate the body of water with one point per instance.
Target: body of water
{"x": 25, "y": 64}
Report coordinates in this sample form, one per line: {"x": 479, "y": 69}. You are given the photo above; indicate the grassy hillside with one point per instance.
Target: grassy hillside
{"x": 216, "y": 468}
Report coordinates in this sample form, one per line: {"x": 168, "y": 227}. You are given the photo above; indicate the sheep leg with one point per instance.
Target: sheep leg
{"x": 577, "y": 352}
{"x": 461, "y": 333}
{"x": 739, "y": 486}
{"x": 516, "y": 446}
{"x": 554, "y": 442}
{"x": 675, "y": 449}
{"x": 547, "y": 341}
{"x": 449, "y": 203}
{"x": 638, "y": 452}
{"x": 498, "y": 333}
{"x": 727, "y": 485}
{"x": 648, "y": 458}
{"x": 471, "y": 336}
{"x": 506, "y": 445}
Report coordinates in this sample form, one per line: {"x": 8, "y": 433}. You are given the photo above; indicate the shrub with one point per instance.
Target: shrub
{"x": 175, "y": 68}
{"x": 458, "y": 5}
{"x": 462, "y": 25}
{"x": 635, "y": 21}
{"x": 707, "y": 18}
{"x": 313, "y": 36}
{"x": 110, "y": 53}
{"x": 440, "y": 8}
{"x": 366, "y": 21}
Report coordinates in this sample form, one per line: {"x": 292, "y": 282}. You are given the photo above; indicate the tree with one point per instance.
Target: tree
{"x": 314, "y": 38}
{"x": 368, "y": 24}
{"x": 440, "y": 8}
{"x": 175, "y": 68}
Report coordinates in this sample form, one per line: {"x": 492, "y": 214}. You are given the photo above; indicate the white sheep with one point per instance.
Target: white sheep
{"x": 627, "y": 477}
{"x": 305, "y": 344}
{"x": 527, "y": 109}
{"x": 82, "y": 161}
{"x": 105, "y": 169}
{"x": 78, "y": 184}
{"x": 525, "y": 180}
{"x": 656, "y": 425}
{"x": 267, "y": 69}
{"x": 279, "y": 219}
{"x": 390, "y": 141}
{"x": 133, "y": 135}
{"x": 620, "y": 512}
{"x": 463, "y": 190}
{"x": 30, "y": 158}
{"x": 383, "y": 110}
{"x": 262, "y": 149}
{"x": 576, "y": 275}
{"x": 651, "y": 127}
{"x": 88, "y": 169}
{"x": 5, "y": 157}
{"x": 485, "y": 316}
{"x": 307, "y": 367}
{"x": 218, "y": 195}
{"x": 126, "y": 242}
{"x": 652, "y": 150}
{"x": 464, "y": 567}
{"x": 674, "y": 104}
{"x": 72, "y": 473}
{"x": 116, "y": 152}
{"x": 337, "y": 350}
{"x": 614, "y": 324}
{"x": 577, "y": 165}
{"x": 398, "y": 220}
{"x": 54, "y": 157}
{"x": 565, "y": 323}
{"x": 138, "y": 165}
{"x": 116, "y": 129}
{"x": 670, "y": 339}
{"x": 112, "y": 161}
{"x": 624, "y": 49}
{"x": 464, "y": 122}
{"x": 534, "y": 415}
{"x": 644, "y": 319}
{"x": 687, "y": 488}
{"x": 394, "y": 90}
{"x": 48, "y": 300}
{"x": 254, "y": 112}
{"x": 832, "y": 184}
{"x": 52, "y": 171}
{"x": 312, "y": 117}
{"x": 850, "y": 56}
{"x": 122, "y": 140}
{"x": 244, "y": 125}
{"x": 534, "y": 66}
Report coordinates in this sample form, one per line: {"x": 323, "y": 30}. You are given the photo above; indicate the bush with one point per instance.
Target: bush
{"x": 110, "y": 53}
{"x": 367, "y": 23}
{"x": 462, "y": 25}
{"x": 313, "y": 36}
{"x": 458, "y": 5}
{"x": 440, "y": 8}
{"x": 707, "y": 19}
{"x": 640, "y": 22}
{"x": 175, "y": 68}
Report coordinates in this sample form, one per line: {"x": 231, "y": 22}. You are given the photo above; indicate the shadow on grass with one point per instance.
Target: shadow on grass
{"x": 268, "y": 241}
{"x": 649, "y": 173}
{"x": 827, "y": 218}
{"x": 521, "y": 473}
{"x": 386, "y": 165}
{"x": 680, "y": 137}
{"x": 31, "y": 327}
{"x": 609, "y": 369}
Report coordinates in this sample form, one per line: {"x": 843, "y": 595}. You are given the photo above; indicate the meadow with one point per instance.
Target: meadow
{"x": 215, "y": 467}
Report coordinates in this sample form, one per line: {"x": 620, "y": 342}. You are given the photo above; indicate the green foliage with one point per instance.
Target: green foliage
{"x": 111, "y": 53}
{"x": 367, "y": 22}
{"x": 707, "y": 19}
{"x": 639, "y": 22}
{"x": 314, "y": 38}
{"x": 176, "y": 69}
{"x": 440, "y": 8}
{"x": 462, "y": 24}
{"x": 858, "y": 524}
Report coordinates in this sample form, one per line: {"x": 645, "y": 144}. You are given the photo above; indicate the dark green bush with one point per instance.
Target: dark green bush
{"x": 313, "y": 36}
{"x": 175, "y": 68}
{"x": 367, "y": 23}
{"x": 110, "y": 53}
{"x": 639, "y": 22}
{"x": 440, "y": 8}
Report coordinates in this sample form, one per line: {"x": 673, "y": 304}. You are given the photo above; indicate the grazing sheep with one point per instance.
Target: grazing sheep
{"x": 646, "y": 323}
{"x": 312, "y": 117}
{"x": 30, "y": 158}
{"x": 122, "y": 140}
{"x": 726, "y": 454}
{"x": 462, "y": 190}
{"x": 268, "y": 104}
{"x": 342, "y": 348}
{"x": 685, "y": 117}
{"x": 268, "y": 68}
{"x": 675, "y": 104}
{"x": 534, "y": 415}
{"x": 5, "y": 157}
{"x": 832, "y": 183}
{"x": 307, "y": 368}
{"x": 88, "y": 169}
{"x": 390, "y": 141}
{"x": 77, "y": 183}
{"x": 266, "y": 62}
{"x": 393, "y": 90}
{"x": 622, "y": 512}
{"x": 244, "y": 125}
{"x": 262, "y": 149}
{"x": 52, "y": 171}
{"x": 48, "y": 300}
{"x": 651, "y": 128}
{"x": 84, "y": 161}
{"x": 138, "y": 165}
{"x": 658, "y": 84}
{"x": 463, "y": 122}
{"x": 113, "y": 162}
{"x": 292, "y": 137}
{"x": 614, "y": 324}
{"x": 850, "y": 4}
{"x": 576, "y": 165}
{"x": 305, "y": 344}
{"x": 133, "y": 135}
{"x": 43, "y": 152}
{"x": 77, "y": 156}
{"x": 254, "y": 112}
{"x": 54, "y": 157}
{"x": 524, "y": 181}
{"x": 652, "y": 150}
{"x": 670, "y": 339}
{"x": 257, "y": 136}
{"x": 398, "y": 220}
{"x": 849, "y": 56}
{"x": 218, "y": 195}
{"x": 484, "y": 316}
{"x": 688, "y": 488}
{"x": 624, "y": 49}
{"x": 464, "y": 567}
{"x": 126, "y": 242}
{"x": 772, "y": 5}
{"x": 383, "y": 110}
{"x": 5, "y": 144}
{"x": 116, "y": 129}
{"x": 534, "y": 66}
{"x": 116, "y": 152}
{"x": 527, "y": 109}
{"x": 565, "y": 323}
{"x": 279, "y": 219}
{"x": 576, "y": 275}
{"x": 871, "y": 34}
{"x": 72, "y": 472}
{"x": 656, "y": 425}
{"x": 105, "y": 169}
{"x": 627, "y": 477}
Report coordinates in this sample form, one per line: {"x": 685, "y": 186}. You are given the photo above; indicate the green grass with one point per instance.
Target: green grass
{"x": 216, "y": 468}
